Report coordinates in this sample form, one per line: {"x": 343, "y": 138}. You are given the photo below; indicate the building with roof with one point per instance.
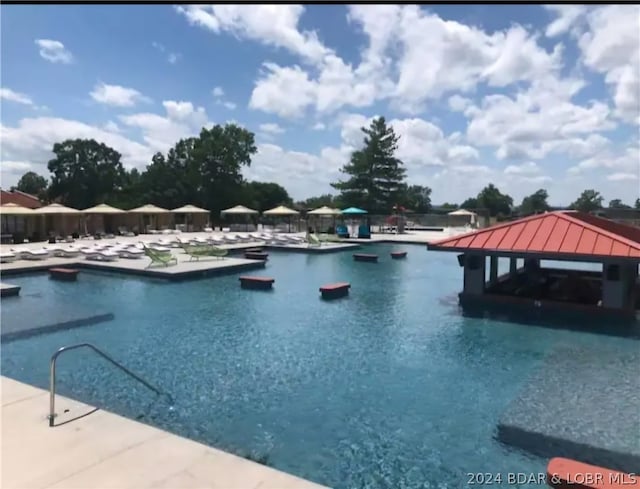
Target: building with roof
{"x": 610, "y": 285}
{"x": 20, "y": 198}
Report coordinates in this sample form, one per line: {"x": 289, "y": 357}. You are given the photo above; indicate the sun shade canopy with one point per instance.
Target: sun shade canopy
{"x": 324, "y": 211}
{"x": 103, "y": 209}
{"x": 280, "y": 211}
{"x": 190, "y": 209}
{"x": 238, "y": 210}
{"x": 149, "y": 209}
{"x": 57, "y": 209}
{"x": 354, "y": 210}
{"x": 17, "y": 210}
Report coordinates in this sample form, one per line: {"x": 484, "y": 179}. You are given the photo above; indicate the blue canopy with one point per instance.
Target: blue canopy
{"x": 354, "y": 210}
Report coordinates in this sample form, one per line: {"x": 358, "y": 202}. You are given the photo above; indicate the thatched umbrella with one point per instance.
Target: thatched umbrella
{"x": 282, "y": 210}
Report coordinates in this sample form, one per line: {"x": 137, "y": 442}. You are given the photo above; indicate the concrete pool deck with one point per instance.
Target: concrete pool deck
{"x": 104, "y": 450}
{"x": 8, "y": 290}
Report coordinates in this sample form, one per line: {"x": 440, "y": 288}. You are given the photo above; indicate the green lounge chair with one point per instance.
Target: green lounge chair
{"x": 313, "y": 240}
{"x": 329, "y": 238}
{"x": 159, "y": 257}
{"x": 198, "y": 251}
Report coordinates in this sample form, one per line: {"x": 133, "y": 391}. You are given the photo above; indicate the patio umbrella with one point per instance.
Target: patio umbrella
{"x": 354, "y": 211}
{"x": 190, "y": 209}
{"x": 464, "y": 212}
{"x": 325, "y": 211}
{"x": 101, "y": 209}
{"x": 58, "y": 210}
{"x": 281, "y": 211}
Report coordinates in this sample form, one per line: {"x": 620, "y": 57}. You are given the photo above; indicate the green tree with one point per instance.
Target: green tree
{"x": 470, "y": 203}
{"x": 417, "y": 198}
{"x": 319, "y": 201}
{"x": 589, "y": 200}
{"x": 618, "y": 204}
{"x": 447, "y": 206}
{"x": 131, "y": 194}
{"x": 32, "y": 183}
{"x": 84, "y": 172}
{"x": 637, "y": 204}
{"x": 375, "y": 175}
{"x": 494, "y": 201}
{"x": 534, "y": 203}
{"x": 265, "y": 195}
{"x": 218, "y": 156}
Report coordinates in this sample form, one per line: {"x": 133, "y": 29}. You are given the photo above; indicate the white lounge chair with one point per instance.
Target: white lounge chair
{"x": 27, "y": 254}
{"x": 99, "y": 255}
{"x": 230, "y": 238}
{"x": 216, "y": 240}
{"x": 131, "y": 253}
{"x": 7, "y": 257}
{"x": 63, "y": 252}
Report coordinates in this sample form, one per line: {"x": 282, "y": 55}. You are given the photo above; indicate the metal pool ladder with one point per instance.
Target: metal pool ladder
{"x": 52, "y": 375}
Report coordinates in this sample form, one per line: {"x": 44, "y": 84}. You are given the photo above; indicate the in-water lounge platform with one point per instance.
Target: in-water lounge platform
{"x": 583, "y": 404}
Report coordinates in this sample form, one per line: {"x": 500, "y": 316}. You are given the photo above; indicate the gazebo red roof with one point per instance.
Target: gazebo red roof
{"x": 562, "y": 234}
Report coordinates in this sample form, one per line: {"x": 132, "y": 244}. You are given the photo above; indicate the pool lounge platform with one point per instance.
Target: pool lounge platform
{"x": 96, "y": 448}
{"x": 582, "y": 404}
{"x": 8, "y": 290}
{"x": 184, "y": 270}
{"x": 314, "y": 250}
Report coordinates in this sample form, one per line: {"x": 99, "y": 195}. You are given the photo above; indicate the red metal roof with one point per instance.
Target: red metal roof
{"x": 20, "y": 198}
{"x": 560, "y": 234}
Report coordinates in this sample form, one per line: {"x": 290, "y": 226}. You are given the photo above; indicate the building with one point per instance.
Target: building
{"x": 20, "y": 198}
{"x": 609, "y": 285}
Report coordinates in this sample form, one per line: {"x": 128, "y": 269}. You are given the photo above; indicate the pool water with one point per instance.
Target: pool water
{"x": 391, "y": 387}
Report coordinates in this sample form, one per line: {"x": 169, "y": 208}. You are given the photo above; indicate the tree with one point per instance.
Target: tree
{"x": 494, "y": 201}
{"x": 447, "y": 206}
{"x": 589, "y": 200}
{"x": 84, "y": 172}
{"x": 535, "y": 203}
{"x": 637, "y": 204}
{"x": 322, "y": 200}
{"x": 470, "y": 203}
{"x": 265, "y": 195}
{"x": 32, "y": 183}
{"x": 617, "y": 204}
{"x": 417, "y": 198}
{"x": 218, "y": 156}
{"x": 376, "y": 176}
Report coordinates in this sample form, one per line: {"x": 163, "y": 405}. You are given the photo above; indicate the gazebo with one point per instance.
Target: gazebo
{"x": 16, "y": 224}
{"x": 147, "y": 212}
{"x": 354, "y": 212}
{"x": 282, "y": 211}
{"x": 325, "y": 211}
{"x": 57, "y": 222}
{"x": 106, "y": 214}
{"x": 567, "y": 236}
{"x": 240, "y": 210}
{"x": 193, "y": 211}
{"x": 462, "y": 215}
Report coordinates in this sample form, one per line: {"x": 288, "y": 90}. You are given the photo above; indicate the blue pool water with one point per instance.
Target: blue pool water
{"x": 389, "y": 388}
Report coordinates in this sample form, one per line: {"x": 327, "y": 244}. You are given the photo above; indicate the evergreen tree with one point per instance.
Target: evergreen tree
{"x": 376, "y": 175}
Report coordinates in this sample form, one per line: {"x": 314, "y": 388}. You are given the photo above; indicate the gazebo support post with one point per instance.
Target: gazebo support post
{"x": 513, "y": 266}
{"x": 493, "y": 269}
{"x": 618, "y": 280}
{"x": 474, "y": 273}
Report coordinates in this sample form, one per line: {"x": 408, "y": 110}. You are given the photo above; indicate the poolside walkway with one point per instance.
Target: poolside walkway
{"x": 103, "y": 450}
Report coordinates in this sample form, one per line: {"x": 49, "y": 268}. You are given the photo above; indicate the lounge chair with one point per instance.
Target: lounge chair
{"x": 68, "y": 252}
{"x": 158, "y": 257}
{"x": 216, "y": 241}
{"x": 7, "y": 257}
{"x": 27, "y": 254}
{"x": 313, "y": 240}
{"x": 231, "y": 239}
{"x": 99, "y": 255}
{"x": 197, "y": 252}
{"x": 342, "y": 231}
{"x": 131, "y": 253}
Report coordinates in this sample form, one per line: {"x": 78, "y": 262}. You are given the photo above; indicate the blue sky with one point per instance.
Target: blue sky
{"x": 522, "y": 96}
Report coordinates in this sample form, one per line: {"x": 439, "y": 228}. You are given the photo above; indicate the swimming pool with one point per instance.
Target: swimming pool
{"x": 390, "y": 387}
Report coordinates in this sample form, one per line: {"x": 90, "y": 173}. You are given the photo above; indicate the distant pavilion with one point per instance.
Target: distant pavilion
{"x": 566, "y": 236}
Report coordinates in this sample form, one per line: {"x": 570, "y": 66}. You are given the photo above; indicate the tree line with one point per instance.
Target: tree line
{"x": 206, "y": 171}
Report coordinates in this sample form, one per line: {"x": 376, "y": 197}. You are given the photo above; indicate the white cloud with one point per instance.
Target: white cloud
{"x": 218, "y": 92}
{"x": 11, "y": 96}
{"x": 458, "y": 103}
{"x": 117, "y": 95}
{"x": 54, "y": 51}
{"x": 161, "y": 132}
{"x": 172, "y": 58}
{"x": 111, "y": 127}
{"x": 15, "y": 167}
{"x": 229, "y": 105}
{"x": 271, "y": 128}
{"x": 566, "y": 17}
{"x": 274, "y": 25}
{"x": 319, "y": 126}
{"x": 618, "y": 177}
{"x": 528, "y": 168}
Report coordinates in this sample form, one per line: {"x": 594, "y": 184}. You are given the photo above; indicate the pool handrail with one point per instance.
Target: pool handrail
{"x": 52, "y": 375}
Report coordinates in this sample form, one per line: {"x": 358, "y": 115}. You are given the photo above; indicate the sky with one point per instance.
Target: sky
{"x": 524, "y": 96}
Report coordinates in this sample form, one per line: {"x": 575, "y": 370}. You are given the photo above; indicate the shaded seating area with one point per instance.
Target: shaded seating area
{"x": 605, "y": 281}
{"x": 196, "y": 252}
